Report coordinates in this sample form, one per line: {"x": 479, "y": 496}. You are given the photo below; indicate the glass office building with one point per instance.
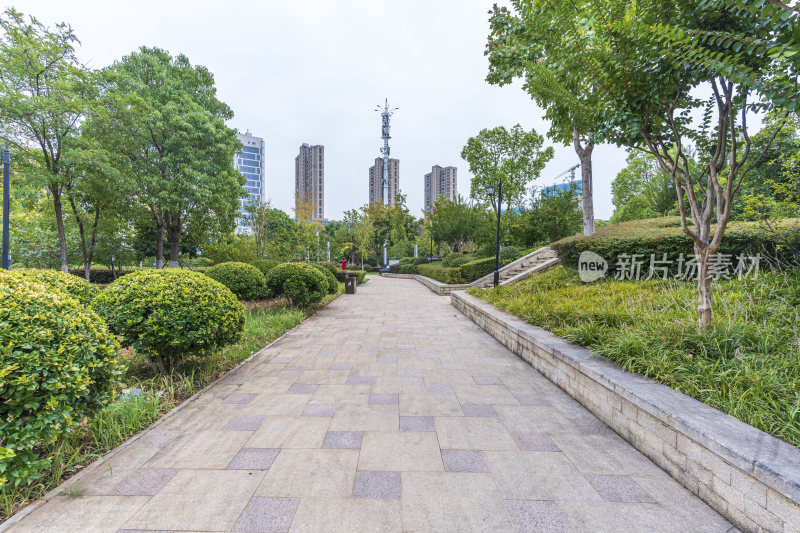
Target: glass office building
{"x": 251, "y": 162}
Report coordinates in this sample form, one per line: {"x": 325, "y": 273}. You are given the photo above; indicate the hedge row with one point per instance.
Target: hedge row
{"x": 466, "y": 273}
{"x": 664, "y": 236}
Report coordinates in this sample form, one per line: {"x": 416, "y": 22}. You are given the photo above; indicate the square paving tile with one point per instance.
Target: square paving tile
{"x": 347, "y": 515}
{"x": 291, "y": 372}
{"x": 311, "y": 473}
{"x": 417, "y": 423}
{"x": 241, "y": 398}
{"x": 253, "y": 459}
{"x": 303, "y": 388}
{"x": 467, "y": 433}
{"x": 386, "y": 360}
{"x": 245, "y": 423}
{"x": 145, "y": 482}
{"x": 359, "y": 380}
{"x": 538, "y": 476}
{"x": 536, "y": 442}
{"x": 320, "y": 409}
{"x": 201, "y": 449}
{"x": 388, "y": 398}
{"x": 614, "y": 488}
{"x": 479, "y": 409}
{"x": 88, "y": 514}
{"x": 156, "y": 438}
{"x": 400, "y": 451}
{"x": 280, "y": 360}
{"x": 346, "y": 440}
{"x": 487, "y": 380}
{"x": 427, "y": 355}
{"x": 538, "y": 516}
{"x": 383, "y": 484}
{"x": 591, "y": 426}
{"x": 464, "y": 461}
{"x": 453, "y": 366}
{"x": 409, "y": 372}
{"x": 325, "y": 355}
{"x": 267, "y": 515}
{"x": 439, "y": 388}
{"x": 529, "y": 399}
{"x": 341, "y": 366}
{"x": 368, "y": 350}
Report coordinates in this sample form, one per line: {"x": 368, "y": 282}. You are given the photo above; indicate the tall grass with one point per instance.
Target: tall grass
{"x": 746, "y": 365}
{"x": 126, "y": 416}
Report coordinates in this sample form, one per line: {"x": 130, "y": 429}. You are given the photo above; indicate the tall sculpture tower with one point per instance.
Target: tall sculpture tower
{"x": 386, "y": 115}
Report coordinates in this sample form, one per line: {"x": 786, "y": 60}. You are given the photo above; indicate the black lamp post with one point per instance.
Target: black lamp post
{"x": 6, "y": 202}
{"x": 490, "y": 191}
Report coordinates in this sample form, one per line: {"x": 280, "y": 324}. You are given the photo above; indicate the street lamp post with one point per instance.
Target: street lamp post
{"x": 6, "y": 202}
{"x": 490, "y": 190}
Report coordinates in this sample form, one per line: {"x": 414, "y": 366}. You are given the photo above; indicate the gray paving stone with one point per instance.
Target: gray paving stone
{"x": 377, "y": 484}
{"x": 409, "y": 372}
{"x": 439, "y": 388}
{"x": 241, "y": 398}
{"x": 386, "y": 360}
{"x": 536, "y": 442}
{"x": 530, "y": 516}
{"x": 417, "y": 423}
{"x": 453, "y": 366}
{"x": 388, "y": 398}
{"x": 427, "y": 355}
{"x": 346, "y": 440}
{"x": 487, "y": 380}
{"x": 253, "y": 459}
{"x": 478, "y": 409}
{"x": 319, "y": 409}
{"x": 291, "y": 372}
{"x": 591, "y": 426}
{"x": 245, "y": 423}
{"x": 156, "y": 438}
{"x": 341, "y": 366}
{"x": 145, "y": 482}
{"x": 531, "y": 399}
{"x": 614, "y": 488}
{"x": 464, "y": 461}
{"x": 281, "y": 360}
{"x": 303, "y": 388}
{"x": 325, "y": 355}
{"x": 359, "y": 380}
{"x": 267, "y": 515}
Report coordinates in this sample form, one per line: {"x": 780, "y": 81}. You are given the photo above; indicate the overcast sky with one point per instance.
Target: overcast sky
{"x": 312, "y": 71}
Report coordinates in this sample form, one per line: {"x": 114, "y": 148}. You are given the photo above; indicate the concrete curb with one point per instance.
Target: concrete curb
{"x": 748, "y": 476}
{"x": 25, "y": 511}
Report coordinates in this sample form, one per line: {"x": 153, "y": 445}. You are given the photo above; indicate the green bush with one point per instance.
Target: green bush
{"x": 330, "y": 267}
{"x": 99, "y": 274}
{"x": 664, "y": 236}
{"x": 421, "y": 260}
{"x": 395, "y": 268}
{"x": 245, "y": 281}
{"x": 300, "y": 282}
{"x": 171, "y": 314}
{"x": 480, "y": 267}
{"x": 79, "y": 288}
{"x": 408, "y": 269}
{"x": 265, "y": 265}
{"x": 360, "y": 274}
{"x": 436, "y": 271}
{"x": 333, "y": 284}
{"x": 57, "y": 364}
{"x": 454, "y": 259}
{"x": 510, "y": 253}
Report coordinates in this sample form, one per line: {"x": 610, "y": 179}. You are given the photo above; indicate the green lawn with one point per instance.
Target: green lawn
{"x": 747, "y": 365}
{"x": 264, "y": 322}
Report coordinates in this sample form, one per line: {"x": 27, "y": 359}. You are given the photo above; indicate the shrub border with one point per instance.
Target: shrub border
{"x": 442, "y": 289}
{"x": 63, "y": 487}
{"x": 749, "y": 477}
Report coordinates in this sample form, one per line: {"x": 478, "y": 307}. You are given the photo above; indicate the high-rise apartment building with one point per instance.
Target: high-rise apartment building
{"x": 309, "y": 179}
{"x": 251, "y": 162}
{"x": 440, "y": 182}
{"x": 376, "y": 181}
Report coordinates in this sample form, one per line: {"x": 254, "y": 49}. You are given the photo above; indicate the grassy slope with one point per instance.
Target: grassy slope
{"x": 747, "y": 365}
{"x": 122, "y": 419}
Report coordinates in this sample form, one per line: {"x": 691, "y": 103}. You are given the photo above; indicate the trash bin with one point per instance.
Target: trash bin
{"x": 350, "y": 284}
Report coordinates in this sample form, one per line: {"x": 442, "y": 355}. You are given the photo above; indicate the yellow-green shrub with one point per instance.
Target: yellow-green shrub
{"x": 81, "y": 289}
{"x": 57, "y": 364}
{"x": 300, "y": 282}
{"x": 245, "y": 281}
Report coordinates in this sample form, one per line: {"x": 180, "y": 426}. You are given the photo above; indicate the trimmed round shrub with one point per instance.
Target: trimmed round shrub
{"x": 333, "y": 284}
{"x": 58, "y": 363}
{"x": 421, "y": 260}
{"x": 245, "y": 281}
{"x": 330, "y": 267}
{"x": 510, "y": 253}
{"x": 408, "y": 269}
{"x": 265, "y": 265}
{"x": 300, "y": 282}
{"x": 77, "y": 287}
{"x": 171, "y": 313}
{"x": 454, "y": 259}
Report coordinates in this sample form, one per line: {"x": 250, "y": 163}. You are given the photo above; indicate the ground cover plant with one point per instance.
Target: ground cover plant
{"x": 747, "y": 364}
{"x": 124, "y": 417}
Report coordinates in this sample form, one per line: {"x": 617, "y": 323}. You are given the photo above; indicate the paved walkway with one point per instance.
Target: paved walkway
{"x": 387, "y": 411}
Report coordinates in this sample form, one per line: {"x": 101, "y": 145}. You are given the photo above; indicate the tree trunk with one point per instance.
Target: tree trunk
{"x": 585, "y": 156}
{"x": 174, "y": 237}
{"x": 62, "y": 238}
{"x": 87, "y": 251}
{"x": 159, "y": 244}
{"x": 704, "y": 257}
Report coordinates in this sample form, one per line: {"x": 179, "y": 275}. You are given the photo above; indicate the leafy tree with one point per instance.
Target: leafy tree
{"x": 273, "y": 230}
{"x": 552, "y": 217}
{"x": 455, "y": 222}
{"x": 308, "y": 229}
{"x": 45, "y": 93}
{"x": 180, "y": 152}
{"x": 514, "y": 156}
{"x": 641, "y": 190}
{"x": 641, "y": 63}
{"x": 377, "y": 216}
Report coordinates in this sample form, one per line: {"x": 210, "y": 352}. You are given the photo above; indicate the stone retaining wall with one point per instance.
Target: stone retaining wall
{"x": 751, "y": 478}
{"x": 442, "y": 289}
